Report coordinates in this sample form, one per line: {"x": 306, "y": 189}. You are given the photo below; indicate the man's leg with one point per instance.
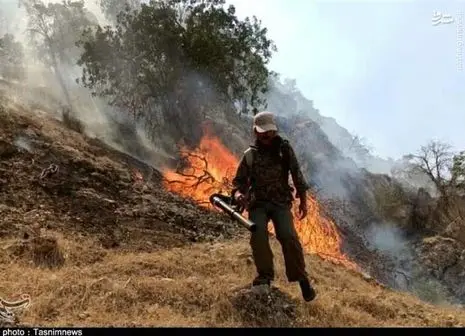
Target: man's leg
{"x": 292, "y": 249}
{"x": 262, "y": 254}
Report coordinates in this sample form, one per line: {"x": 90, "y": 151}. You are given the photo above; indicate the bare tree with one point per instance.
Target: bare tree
{"x": 412, "y": 180}
{"x": 436, "y": 161}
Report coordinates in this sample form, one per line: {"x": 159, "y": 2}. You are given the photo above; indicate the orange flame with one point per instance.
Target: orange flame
{"x": 210, "y": 168}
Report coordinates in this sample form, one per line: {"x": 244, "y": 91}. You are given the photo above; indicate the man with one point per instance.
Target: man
{"x": 261, "y": 185}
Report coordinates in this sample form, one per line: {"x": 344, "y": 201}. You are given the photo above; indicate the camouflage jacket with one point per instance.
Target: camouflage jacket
{"x": 268, "y": 178}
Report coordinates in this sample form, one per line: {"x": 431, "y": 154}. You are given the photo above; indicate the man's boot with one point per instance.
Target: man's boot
{"x": 308, "y": 293}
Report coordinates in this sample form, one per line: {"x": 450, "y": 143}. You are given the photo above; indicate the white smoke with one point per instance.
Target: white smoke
{"x": 387, "y": 238}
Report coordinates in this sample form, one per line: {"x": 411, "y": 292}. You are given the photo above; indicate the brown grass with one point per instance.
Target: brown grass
{"x": 200, "y": 285}
{"x": 74, "y": 281}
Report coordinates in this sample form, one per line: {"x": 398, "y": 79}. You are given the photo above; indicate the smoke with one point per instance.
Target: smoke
{"x": 40, "y": 90}
{"x": 388, "y": 239}
{"x": 23, "y": 143}
{"x": 325, "y": 166}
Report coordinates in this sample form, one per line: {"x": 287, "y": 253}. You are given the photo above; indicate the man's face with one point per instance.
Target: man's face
{"x": 266, "y": 137}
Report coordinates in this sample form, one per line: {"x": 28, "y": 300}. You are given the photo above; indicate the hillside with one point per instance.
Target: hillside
{"x": 287, "y": 99}
{"x": 102, "y": 243}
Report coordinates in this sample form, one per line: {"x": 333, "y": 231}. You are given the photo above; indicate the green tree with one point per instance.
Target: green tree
{"x": 165, "y": 59}
{"x": 54, "y": 29}
{"x": 11, "y": 58}
{"x": 458, "y": 172}
{"x": 111, "y": 8}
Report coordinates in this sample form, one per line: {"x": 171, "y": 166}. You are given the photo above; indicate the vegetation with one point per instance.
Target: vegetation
{"x": 53, "y": 30}
{"x": 111, "y": 8}
{"x": 166, "y": 63}
{"x": 441, "y": 165}
{"x": 11, "y": 52}
{"x": 11, "y": 58}
{"x": 444, "y": 170}
{"x": 389, "y": 199}
{"x": 172, "y": 60}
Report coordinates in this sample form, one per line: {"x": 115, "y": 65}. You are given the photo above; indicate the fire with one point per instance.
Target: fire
{"x": 206, "y": 170}
{"x": 210, "y": 168}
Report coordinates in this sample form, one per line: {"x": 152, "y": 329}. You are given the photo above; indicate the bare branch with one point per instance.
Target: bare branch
{"x": 435, "y": 160}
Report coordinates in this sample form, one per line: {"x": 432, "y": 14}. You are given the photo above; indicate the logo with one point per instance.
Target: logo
{"x": 8, "y": 308}
{"x": 440, "y": 18}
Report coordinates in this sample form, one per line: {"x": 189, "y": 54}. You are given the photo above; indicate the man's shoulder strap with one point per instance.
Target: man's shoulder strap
{"x": 249, "y": 156}
{"x": 285, "y": 149}
{"x": 285, "y": 143}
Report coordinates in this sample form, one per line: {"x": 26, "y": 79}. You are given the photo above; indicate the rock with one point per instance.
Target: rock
{"x": 366, "y": 276}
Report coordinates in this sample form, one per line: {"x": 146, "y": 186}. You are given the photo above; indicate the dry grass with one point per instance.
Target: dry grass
{"x": 74, "y": 281}
{"x": 200, "y": 285}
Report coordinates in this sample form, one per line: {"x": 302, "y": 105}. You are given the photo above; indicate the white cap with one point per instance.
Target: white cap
{"x": 264, "y": 122}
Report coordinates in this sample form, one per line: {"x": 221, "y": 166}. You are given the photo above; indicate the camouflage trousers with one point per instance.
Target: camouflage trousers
{"x": 283, "y": 222}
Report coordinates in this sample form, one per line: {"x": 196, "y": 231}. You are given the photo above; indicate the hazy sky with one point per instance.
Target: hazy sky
{"x": 380, "y": 68}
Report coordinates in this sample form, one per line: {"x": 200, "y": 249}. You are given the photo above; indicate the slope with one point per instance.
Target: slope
{"x": 97, "y": 241}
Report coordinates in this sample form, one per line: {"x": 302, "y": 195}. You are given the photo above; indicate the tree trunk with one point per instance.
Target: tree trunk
{"x": 59, "y": 77}
{"x": 63, "y": 85}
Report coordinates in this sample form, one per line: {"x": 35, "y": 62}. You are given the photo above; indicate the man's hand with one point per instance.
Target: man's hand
{"x": 240, "y": 199}
{"x": 303, "y": 208}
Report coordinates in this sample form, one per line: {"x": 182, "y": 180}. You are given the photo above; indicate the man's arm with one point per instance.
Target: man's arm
{"x": 240, "y": 181}
{"x": 298, "y": 178}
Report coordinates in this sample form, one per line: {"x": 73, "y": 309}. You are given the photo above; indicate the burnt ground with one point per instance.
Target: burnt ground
{"x": 56, "y": 179}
